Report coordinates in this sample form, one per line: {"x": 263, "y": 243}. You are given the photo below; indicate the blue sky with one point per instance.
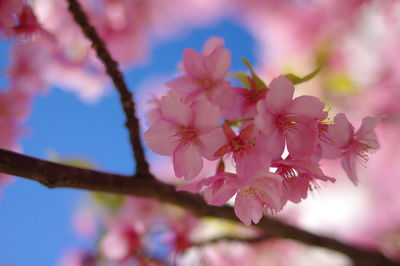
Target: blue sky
{"x": 35, "y": 222}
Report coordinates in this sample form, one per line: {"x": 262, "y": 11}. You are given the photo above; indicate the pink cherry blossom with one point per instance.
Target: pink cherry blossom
{"x": 293, "y": 121}
{"x": 204, "y": 75}
{"x": 217, "y": 190}
{"x": 187, "y": 132}
{"x": 258, "y": 195}
{"x": 260, "y": 191}
{"x": 299, "y": 177}
{"x": 353, "y": 146}
{"x": 245, "y": 101}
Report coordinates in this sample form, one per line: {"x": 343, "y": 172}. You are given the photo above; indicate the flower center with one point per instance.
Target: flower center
{"x": 207, "y": 85}
{"x": 187, "y": 134}
{"x": 238, "y": 144}
{"x": 285, "y": 123}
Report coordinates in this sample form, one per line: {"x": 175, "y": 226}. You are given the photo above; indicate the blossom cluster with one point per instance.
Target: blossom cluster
{"x": 274, "y": 141}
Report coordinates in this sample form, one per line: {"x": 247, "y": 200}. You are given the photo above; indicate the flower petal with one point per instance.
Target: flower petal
{"x": 264, "y": 120}
{"x": 212, "y": 44}
{"x": 307, "y": 108}
{"x": 187, "y": 162}
{"x": 210, "y": 143}
{"x": 302, "y": 140}
{"x": 174, "y": 110}
{"x": 366, "y": 133}
{"x": 184, "y": 83}
{"x": 160, "y": 138}
{"x": 247, "y": 208}
{"x": 341, "y": 132}
{"x": 349, "y": 166}
{"x": 193, "y": 63}
{"x": 280, "y": 95}
{"x": 217, "y": 63}
{"x": 205, "y": 115}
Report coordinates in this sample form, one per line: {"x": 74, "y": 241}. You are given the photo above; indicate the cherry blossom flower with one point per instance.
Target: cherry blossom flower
{"x": 353, "y": 146}
{"x": 295, "y": 120}
{"x": 205, "y": 74}
{"x": 258, "y": 195}
{"x": 217, "y": 190}
{"x": 245, "y": 102}
{"x": 260, "y": 191}
{"x": 187, "y": 132}
{"x": 299, "y": 177}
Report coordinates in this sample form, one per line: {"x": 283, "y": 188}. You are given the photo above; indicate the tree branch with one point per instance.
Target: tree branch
{"x": 54, "y": 175}
{"x": 126, "y": 98}
{"x": 248, "y": 240}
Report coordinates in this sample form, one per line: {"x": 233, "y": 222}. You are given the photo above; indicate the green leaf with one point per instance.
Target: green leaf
{"x": 257, "y": 81}
{"x": 242, "y": 78}
{"x": 297, "y": 80}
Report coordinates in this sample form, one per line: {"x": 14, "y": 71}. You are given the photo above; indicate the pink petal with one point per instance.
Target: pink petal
{"x": 253, "y": 165}
{"x": 248, "y": 132}
{"x": 302, "y": 140}
{"x": 222, "y": 94}
{"x": 212, "y": 44}
{"x": 193, "y": 63}
{"x": 197, "y": 186}
{"x": 220, "y": 191}
{"x": 264, "y": 120}
{"x": 210, "y": 143}
{"x": 366, "y": 132}
{"x": 273, "y": 145}
{"x": 228, "y": 132}
{"x": 217, "y": 63}
{"x": 205, "y": 115}
{"x": 280, "y": 95}
{"x": 247, "y": 208}
{"x": 348, "y": 163}
{"x": 161, "y": 139}
{"x": 341, "y": 132}
{"x": 184, "y": 83}
{"x": 187, "y": 162}
{"x": 269, "y": 190}
{"x": 174, "y": 110}
{"x": 307, "y": 108}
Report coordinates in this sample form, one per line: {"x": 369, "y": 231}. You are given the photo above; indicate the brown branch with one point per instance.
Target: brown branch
{"x": 132, "y": 123}
{"x": 248, "y": 240}
{"x": 55, "y": 175}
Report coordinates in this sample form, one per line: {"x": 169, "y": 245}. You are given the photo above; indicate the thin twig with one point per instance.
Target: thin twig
{"x": 55, "y": 175}
{"x": 132, "y": 123}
